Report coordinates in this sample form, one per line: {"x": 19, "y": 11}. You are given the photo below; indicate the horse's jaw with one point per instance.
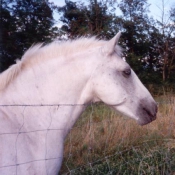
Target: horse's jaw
{"x": 143, "y": 112}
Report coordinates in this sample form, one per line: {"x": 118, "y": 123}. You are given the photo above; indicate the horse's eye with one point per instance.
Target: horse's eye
{"x": 127, "y": 72}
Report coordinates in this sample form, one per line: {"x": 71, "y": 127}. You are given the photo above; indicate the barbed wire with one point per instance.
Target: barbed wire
{"x": 59, "y": 104}
{"x": 40, "y": 105}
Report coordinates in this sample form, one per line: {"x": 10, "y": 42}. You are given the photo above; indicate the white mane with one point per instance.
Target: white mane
{"x": 38, "y": 53}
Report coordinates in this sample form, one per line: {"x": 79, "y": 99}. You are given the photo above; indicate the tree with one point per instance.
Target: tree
{"x": 7, "y": 28}
{"x": 72, "y": 17}
{"x": 93, "y": 19}
{"x": 24, "y": 23}
{"x": 33, "y": 20}
{"x": 163, "y": 48}
{"x": 100, "y": 19}
{"x": 135, "y": 24}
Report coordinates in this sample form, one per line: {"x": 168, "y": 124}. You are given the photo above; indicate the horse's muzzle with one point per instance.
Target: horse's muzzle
{"x": 147, "y": 115}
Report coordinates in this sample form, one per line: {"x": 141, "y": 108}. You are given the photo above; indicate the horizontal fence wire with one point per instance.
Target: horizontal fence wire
{"x": 40, "y": 105}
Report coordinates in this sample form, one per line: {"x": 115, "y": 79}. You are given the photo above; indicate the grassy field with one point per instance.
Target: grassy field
{"x": 104, "y": 142}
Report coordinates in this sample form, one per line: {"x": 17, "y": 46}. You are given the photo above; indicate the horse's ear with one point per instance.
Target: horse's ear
{"x": 109, "y": 47}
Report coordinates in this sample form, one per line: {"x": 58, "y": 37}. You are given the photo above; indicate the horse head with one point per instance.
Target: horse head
{"x": 116, "y": 84}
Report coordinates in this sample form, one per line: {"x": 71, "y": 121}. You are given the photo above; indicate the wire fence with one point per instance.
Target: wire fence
{"x": 12, "y": 139}
{"x": 101, "y": 142}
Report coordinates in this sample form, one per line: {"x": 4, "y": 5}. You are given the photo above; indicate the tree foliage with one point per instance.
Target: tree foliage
{"x": 93, "y": 19}
{"x": 162, "y": 45}
{"x": 23, "y": 23}
{"x": 7, "y": 42}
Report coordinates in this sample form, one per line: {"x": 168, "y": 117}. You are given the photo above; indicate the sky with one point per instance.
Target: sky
{"x": 155, "y": 7}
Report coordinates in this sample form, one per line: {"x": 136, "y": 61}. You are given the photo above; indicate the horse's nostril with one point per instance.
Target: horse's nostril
{"x": 151, "y": 114}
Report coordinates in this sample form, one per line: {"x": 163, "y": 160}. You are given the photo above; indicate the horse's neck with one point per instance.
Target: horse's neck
{"x": 65, "y": 89}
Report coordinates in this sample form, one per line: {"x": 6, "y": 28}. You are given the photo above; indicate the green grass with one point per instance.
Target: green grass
{"x": 136, "y": 160}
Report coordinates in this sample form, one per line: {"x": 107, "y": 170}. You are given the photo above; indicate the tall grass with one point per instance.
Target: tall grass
{"x": 104, "y": 142}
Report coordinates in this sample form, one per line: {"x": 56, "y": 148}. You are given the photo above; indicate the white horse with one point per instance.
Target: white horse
{"x": 42, "y": 96}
